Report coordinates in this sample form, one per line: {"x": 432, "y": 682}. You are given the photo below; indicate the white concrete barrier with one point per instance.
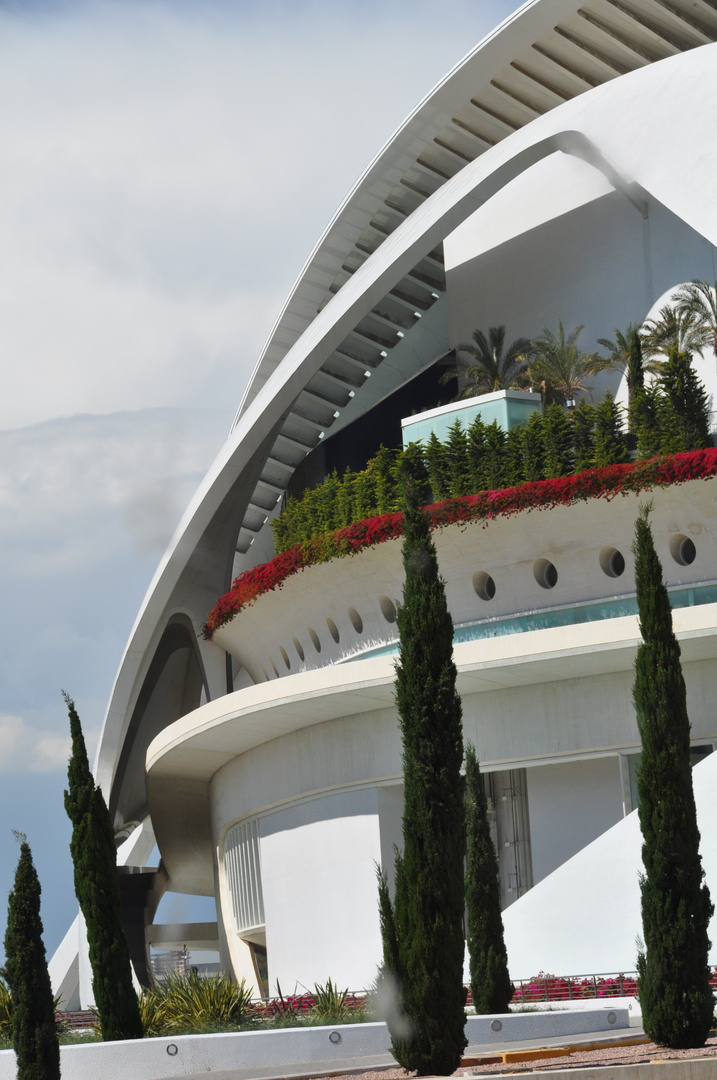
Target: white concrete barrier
{"x": 519, "y": 1027}
{"x": 183, "y": 1055}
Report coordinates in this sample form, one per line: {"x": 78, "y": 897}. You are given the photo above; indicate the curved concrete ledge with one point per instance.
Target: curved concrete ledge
{"x": 185, "y": 1055}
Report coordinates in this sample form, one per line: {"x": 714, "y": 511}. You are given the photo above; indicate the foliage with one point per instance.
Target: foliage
{"x": 424, "y": 947}
{"x": 491, "y": 988}
{"x": 583, "y": 419}
{"x": 330, "y": 1003}
{"x": 491, "y": 367}
{"x": 699, "y": 299}
{"x": 678, "y": 328}
{"x": 557, "y": 442}
{"x": 673, "y": 415}
{"x": 545, "y": 987}
{"x": 34, "y": 1035}
{"x": 609, "y": 443}
{"x": 625, "y": 354}
{"x": 675, "y": 993}
{"x": 559, "y": 368}
{"x": 183, "y": 1003}
{"x": 97, "y": 889}
{"x": 604, "y": 483}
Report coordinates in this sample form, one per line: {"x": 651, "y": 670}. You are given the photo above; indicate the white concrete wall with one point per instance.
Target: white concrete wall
{"x": 570, "y": 805}
{"x": 320, "y": 899}
{"x": 585, "y": 916}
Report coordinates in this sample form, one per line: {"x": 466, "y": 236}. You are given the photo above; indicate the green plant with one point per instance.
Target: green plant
{"x": 675, "y": 992}
{"x": 559, "y": 368}
{"x": 491, "y": 367}
{"x": 491, "y": 988}
{"x": 609, "y": 444}
{"x": 330, "y": 1003}
{"x": 94, "y": 861}
{"x": 189, "y": 1003}
{"x": 423, "y": 931}
{"x": 34, "y": 1034}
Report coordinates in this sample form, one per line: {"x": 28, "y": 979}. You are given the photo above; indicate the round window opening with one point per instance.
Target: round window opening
{"x": 545, "y": 573}
{"x": 612, "y": 561}
{"x": 682, "y": 549}
{"x": 388, "y": 608}
{"x": 484, "y": 585}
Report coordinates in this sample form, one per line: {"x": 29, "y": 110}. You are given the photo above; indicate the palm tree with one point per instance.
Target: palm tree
{"x": 699, "y": 299}
{"x": 490, "y": 368}
{"x": 677, "y": 330}
{"x": 559, "y": 368}
{"x": 625, "y": 354}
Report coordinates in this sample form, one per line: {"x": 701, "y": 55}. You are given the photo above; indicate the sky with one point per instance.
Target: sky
{"x": 167, "y": 168}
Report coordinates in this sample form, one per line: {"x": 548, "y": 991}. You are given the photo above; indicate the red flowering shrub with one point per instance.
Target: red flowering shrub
{"x": 545, "y": 987}
{"x": 604, "y": 483}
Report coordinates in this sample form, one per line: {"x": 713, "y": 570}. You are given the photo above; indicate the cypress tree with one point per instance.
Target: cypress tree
{"x": 533, "y": 450}
{"x": 494, "y": 457}
{"x": 423, "y": 930}
{"x": 609, "y": 445}
{"x": 94, "y": 860}
{"x": 583, "y": 419}
{"x": 457, "y": 460}
{"x": 438, "y": 469}
{"x": 476, "y": 454}
{"x": 557, "y": 442}
{"x": 685, "y": 408}
{"x": 513, "y": 456}
{"x": 675, "y": 993}
{"x": 382, "y": 466}
{"x": 646, "y": 421}
{"x": 491, "y": 988}
{"x": 34, "y": 1035}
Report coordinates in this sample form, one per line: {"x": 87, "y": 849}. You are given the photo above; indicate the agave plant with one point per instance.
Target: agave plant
{"x": 330, "y": 1003}
{"x": 188, "y": 1003}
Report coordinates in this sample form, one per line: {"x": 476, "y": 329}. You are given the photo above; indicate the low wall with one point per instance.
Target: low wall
{"x": 184, "y": 1055}
{"x": 517, "y": 1027}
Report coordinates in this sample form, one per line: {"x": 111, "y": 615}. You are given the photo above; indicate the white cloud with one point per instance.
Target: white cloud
{"x": 167, "y": 168}
{"x": 24, "y": 748}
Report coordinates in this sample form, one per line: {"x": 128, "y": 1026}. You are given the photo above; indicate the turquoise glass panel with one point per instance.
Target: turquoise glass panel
{"x": 595, "y": 611}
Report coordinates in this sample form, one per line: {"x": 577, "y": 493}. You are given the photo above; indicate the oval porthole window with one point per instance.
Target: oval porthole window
{"x": 388, "y": 608}
{"x": 356, "y": 620}
{"x": 274, "y": 667}
{"x": 314, "y": 639}
{"x": 299, "y": 650}
{"x": 545, "y": 573}
{"x": 333, "y": 630}
{"x": 612, "y": 561}
{"x": 484, "y": 585}
{"x": 682, "y": 549}
{"x": 285, "y": 657}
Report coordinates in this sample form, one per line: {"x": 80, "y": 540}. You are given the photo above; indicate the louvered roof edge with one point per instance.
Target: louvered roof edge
{"x": 416, "y": 139}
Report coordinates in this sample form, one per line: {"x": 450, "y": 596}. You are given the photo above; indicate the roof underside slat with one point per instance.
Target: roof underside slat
{"x": 587, "y": 46}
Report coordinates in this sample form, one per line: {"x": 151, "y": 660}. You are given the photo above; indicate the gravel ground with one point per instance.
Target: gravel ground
{"x": 616, "y": 1055}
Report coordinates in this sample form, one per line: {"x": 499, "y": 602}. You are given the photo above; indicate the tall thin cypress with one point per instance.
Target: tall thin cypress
{"x": 491, "y": 988}
{"x": 675, "y": 993}
{"x": 94, "y": 860}
{"x": 34, "y": 1035}
{"x": 423, "y": 932}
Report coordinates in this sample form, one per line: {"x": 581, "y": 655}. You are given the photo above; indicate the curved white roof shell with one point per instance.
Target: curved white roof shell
{"x": 368, "y": 312}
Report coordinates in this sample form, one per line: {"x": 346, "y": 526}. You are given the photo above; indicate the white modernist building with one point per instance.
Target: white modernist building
{"x": 563, "y": 170}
